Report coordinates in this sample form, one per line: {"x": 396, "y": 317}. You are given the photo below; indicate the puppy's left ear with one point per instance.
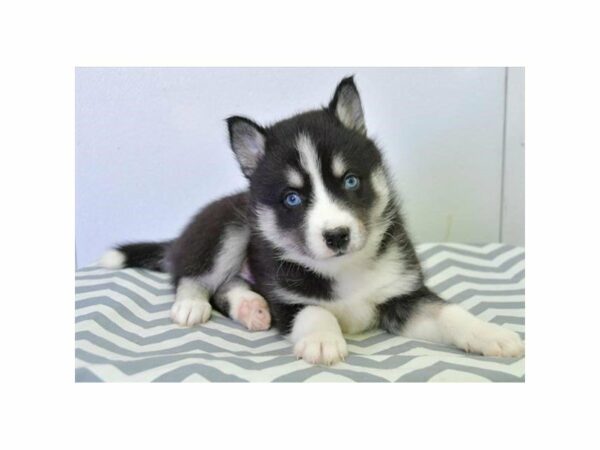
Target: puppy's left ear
{"x": 346, "y": 106}
{"x": 247, "y": 142}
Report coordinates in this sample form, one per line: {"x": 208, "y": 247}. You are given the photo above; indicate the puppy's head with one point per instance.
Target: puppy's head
{"x": 317, "y": 181}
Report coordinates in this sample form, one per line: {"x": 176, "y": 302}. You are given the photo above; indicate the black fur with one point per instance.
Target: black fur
{"x": 301, "y": 280}
{"x": 283, "y": 314}
{"x": 193, "y": 253}
{"x": 146, "y": 255}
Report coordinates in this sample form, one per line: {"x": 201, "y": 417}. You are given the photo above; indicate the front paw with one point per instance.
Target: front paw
{"x": 323, "y": 347}
{"x": 490, "y": 339}
{"x": 189, "y": 312}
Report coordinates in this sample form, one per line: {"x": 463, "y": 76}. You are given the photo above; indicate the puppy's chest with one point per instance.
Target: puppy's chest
{"x": 358, "y": 292}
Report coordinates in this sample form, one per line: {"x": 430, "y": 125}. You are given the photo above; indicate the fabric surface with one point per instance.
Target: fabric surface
{"x": 123, "y": 331}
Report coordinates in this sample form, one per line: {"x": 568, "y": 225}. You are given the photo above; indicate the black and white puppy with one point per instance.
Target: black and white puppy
{"x": 319, "y": 235}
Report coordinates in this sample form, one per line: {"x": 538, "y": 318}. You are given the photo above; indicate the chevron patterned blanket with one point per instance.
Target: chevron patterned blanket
{"x": 123, "y": 331}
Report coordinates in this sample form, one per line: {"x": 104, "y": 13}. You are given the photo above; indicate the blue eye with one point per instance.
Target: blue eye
{"x": 292, "y": 200}
{"x": 351, "y": 182}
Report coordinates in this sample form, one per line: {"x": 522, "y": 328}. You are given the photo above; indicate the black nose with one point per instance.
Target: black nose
{"x": 338, "y": 238}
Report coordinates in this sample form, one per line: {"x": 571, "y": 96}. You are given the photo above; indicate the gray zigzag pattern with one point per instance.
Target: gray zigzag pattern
{"x": 202, "y": 348}
{"x": 440, "y": 287}
{"x": 490, "y": 256}
{"x": 113, "y": 285}
{"x": 450, "y": 262}
{"x": 438, "y": 367}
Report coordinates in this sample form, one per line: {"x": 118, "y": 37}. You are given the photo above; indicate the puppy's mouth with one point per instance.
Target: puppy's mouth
{"x": 336, "y": 243}
{"x": 340, "y": 253}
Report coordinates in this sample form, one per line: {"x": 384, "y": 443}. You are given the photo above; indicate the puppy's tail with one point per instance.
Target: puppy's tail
{"x": 146, "y": 255}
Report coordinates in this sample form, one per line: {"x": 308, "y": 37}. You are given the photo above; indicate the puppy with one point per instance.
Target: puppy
{"x": 316, "y": 245}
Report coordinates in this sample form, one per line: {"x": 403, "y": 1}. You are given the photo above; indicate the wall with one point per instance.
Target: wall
{"x": 151, "y": 144}
{"x": 513, "y": 189}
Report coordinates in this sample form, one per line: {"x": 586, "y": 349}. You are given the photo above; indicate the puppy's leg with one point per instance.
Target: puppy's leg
{"x": 317, "y": 336}
{"x": 209, "y": 252}
{"x": 237, "y": 300}
{"x": 191, "y": 303}
{"x": 423, "y": 315}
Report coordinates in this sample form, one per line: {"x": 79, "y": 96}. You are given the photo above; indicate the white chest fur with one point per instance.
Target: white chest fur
{"x": 358, "y": 290}
{"x": 360, "y": 287}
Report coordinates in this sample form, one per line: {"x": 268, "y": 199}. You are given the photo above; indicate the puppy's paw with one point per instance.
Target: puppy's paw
{"x": 324, "y": 347}
{"x": 189, "y": 312}
{"x": 490, "y": 339}
{"x": 253, "y": 312}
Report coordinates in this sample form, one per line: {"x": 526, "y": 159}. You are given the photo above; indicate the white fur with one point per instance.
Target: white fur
{"x": 354, "y": 315}
{"x": 230, "y": 258}
{"x": 317, "y": 337}
{"x": 294, "y": 178}
{"x": 235, "y": 296}
{"x": 381, "y": 186}
{"x": 191, "y": 303}
{"x": 325, "y": 213}
{"x": 451, "y": 324}
{"x": 112, "y": 259}
{"x": 338, "y": 166}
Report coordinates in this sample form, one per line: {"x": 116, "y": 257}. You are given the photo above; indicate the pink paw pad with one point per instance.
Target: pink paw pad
{"x": 254, "y": 313}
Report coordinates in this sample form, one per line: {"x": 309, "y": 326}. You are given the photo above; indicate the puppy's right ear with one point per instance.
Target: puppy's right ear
{"x": 247, "y": 142}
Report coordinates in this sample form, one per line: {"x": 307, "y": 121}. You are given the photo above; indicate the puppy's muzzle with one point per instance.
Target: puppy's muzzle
{"x": 337, "y": 239}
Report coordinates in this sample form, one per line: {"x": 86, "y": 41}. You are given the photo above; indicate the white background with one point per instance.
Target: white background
{"x": 152, "y": 147}
{"x": 42, "y": 406}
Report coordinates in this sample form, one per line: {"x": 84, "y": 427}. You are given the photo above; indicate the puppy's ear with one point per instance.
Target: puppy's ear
{"x": 346, "y": 106}
{"x": 247, "y": 142}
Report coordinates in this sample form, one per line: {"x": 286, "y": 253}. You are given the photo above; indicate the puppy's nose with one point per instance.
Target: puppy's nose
{"x": 337, "y": 239}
